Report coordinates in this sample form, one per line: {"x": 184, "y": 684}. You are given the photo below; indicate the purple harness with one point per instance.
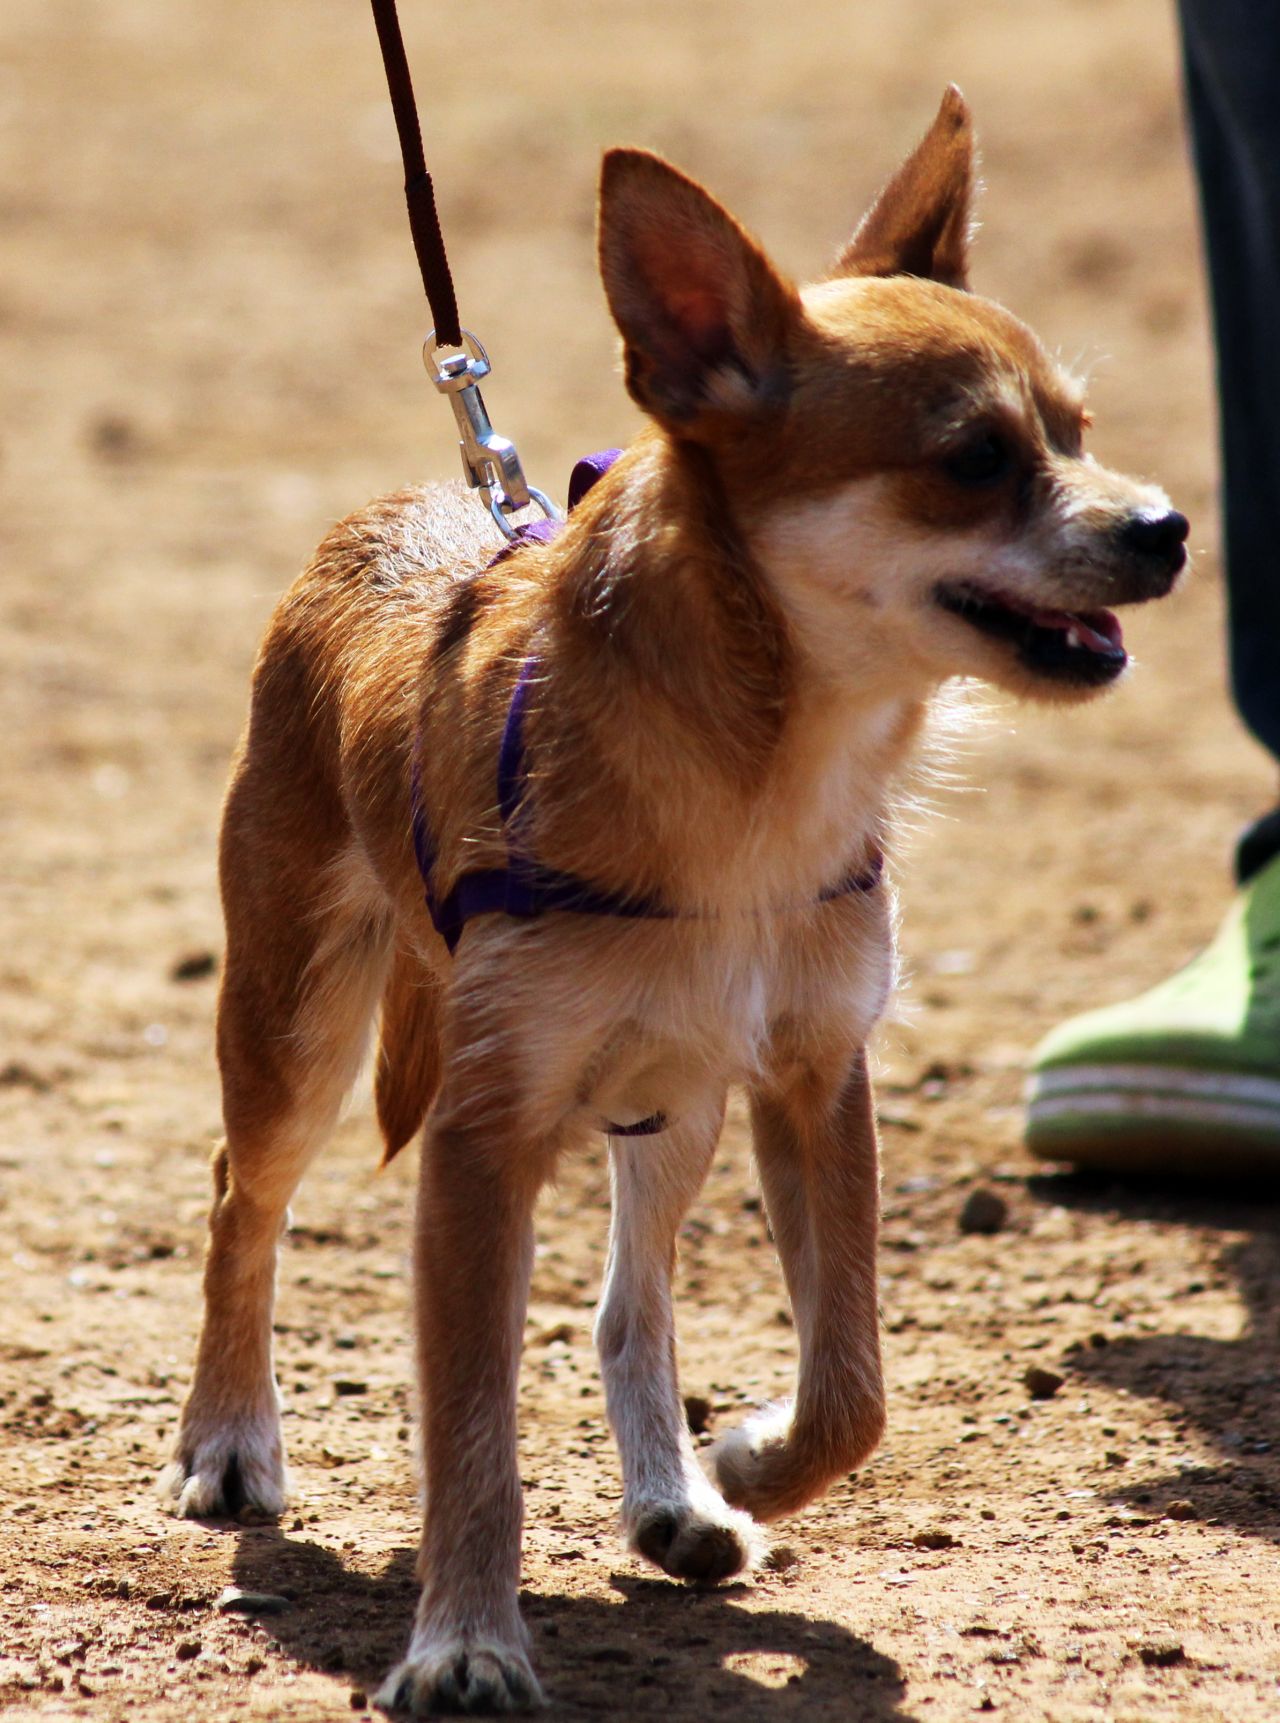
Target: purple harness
{"x": 525, "y": 887}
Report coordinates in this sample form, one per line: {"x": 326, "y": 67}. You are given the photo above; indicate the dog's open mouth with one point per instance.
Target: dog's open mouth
{"x": 1074, "y": 646}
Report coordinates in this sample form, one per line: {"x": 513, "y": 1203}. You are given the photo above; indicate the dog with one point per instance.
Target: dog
{"x": 597, "y": 828}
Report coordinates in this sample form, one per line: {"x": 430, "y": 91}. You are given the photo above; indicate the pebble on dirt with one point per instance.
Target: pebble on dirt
{"x": 194, "y": 966}
{"x": 934, "y": 1538}
{"x": 1164, "y": 1654}
{"x": 1181, "y": 1510}
{"x": 1040, "y": 1383}
{"x": 233, "y": 1601}
{"x": 984, "y": 1211}
{"x": 562, "y": 1333}
{"x": 697, "y": 1413}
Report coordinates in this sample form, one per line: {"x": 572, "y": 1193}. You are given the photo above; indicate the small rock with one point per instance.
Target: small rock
{"x": 934, "y": 1538}
{"x": 16, "y": 1075}
{"x": 347, "y": 1386}
{"x": 563, "y": 1331}
{"x": 1114, "y": 1457}
{"x": 1181, "y": 1510}
{"x": 194, "y": 966}
{"x": 1163, "y": 1654}
{"x": 984, "y": 1211}
{"x": 780, "y": 1558}
{"x": 697, "y": 1413}
{"x": 1040, "y": 1383}
{"x": 357, "y": 1699}
{"x": 233, "y": 1601}
{"x": 188, "y": 1649}
{"x": 113, "y": 436}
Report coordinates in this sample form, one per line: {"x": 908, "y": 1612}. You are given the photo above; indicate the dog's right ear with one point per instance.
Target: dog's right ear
{"x": 704, "y": 315}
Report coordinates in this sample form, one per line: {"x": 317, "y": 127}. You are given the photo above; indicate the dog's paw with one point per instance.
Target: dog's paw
{"x": 702, "y": 1544}
{"x": 236, "y": 1472}
{"x": 461, "y": 1673}
{"x": 771, "y": 1468}
{"x": 744, "y": 1460}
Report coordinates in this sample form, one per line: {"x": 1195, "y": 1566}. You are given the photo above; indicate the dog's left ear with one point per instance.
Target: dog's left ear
{"x": 704, "y": 315}
{"x": 920, "y": 223}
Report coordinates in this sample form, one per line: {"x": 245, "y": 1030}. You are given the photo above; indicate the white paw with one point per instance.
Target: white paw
{"x": 735, "y": 1458}
{"x": 234, "y": 1471}
{"x": 461, "y": 1672}
{"x": 701, "y": 1543}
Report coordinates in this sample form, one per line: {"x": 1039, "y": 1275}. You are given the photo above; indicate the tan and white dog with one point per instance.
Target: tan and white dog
{"x": 846, "y": 495}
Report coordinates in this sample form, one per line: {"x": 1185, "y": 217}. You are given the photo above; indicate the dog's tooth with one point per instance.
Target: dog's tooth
{"x": 1073, "y": 637}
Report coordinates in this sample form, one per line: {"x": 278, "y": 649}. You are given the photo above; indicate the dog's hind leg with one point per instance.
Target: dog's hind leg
{"x": 815, "y": 1146}
{"x": 671, "y": 1512}
{"x": 307, "y": 950}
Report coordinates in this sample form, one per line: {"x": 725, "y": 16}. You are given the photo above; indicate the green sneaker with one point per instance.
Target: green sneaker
{"x": 1183, "y": 1080}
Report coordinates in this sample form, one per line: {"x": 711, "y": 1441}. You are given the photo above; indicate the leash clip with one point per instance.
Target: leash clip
{"x": 490, "y": 462}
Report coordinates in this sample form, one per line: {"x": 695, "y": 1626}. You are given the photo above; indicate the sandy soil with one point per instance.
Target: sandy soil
{"x": 208, "y": 343}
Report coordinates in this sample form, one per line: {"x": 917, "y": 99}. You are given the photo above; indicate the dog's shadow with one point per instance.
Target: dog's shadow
{"x": 1226, "y": 1391}
{"x": 664, "y": 1648}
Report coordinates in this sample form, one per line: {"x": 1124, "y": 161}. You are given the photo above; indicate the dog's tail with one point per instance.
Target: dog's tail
{"x": 408, "y": 1070}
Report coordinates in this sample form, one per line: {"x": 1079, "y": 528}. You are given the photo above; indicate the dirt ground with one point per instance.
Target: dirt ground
{"x": 209, "y": 325}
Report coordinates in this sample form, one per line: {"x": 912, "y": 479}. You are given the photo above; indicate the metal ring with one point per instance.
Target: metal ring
{"x": 543, "y": 501}
{"x": 471, "y": 345}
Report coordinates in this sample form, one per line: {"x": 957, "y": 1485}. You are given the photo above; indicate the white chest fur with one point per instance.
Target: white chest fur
{"x": 619, "y": 1020}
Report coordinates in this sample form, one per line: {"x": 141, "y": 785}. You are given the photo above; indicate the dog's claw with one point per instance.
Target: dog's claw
{"x": 461, "y": 1678}
{"x": 227, "y": 1476}
{"x": 654, "y": 1535}
{"x": 691, "y": 1546}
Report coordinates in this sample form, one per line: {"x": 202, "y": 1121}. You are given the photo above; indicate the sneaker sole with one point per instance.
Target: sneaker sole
{"x": 1156, "y": 1119}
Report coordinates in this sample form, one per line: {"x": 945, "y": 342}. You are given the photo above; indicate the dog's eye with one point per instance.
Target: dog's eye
{"x": 981, "y": 461}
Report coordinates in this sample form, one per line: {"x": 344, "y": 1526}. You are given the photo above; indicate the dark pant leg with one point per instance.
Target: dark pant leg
{"x": 1232, "y": 55}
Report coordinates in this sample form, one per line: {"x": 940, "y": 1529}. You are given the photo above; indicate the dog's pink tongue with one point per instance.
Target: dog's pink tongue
{"x": 1099, "y": 630}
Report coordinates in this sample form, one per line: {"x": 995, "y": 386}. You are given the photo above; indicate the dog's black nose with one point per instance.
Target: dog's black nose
{"x": 1157, "y": 533}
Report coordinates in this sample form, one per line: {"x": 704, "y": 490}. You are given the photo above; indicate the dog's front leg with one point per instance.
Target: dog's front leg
{"x": 473, "y": 1254}
{"x": 815, "y": 1144}
{"x": 671, "y": 1513}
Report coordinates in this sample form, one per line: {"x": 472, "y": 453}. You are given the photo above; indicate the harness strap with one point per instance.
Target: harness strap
{"x": 525, "y": 887}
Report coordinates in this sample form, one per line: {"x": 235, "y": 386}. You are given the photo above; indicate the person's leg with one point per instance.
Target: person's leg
{"x": 1186, "y": 1078}
{"x": 1231, "y": 55}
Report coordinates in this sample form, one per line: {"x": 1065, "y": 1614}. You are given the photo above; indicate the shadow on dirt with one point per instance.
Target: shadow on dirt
{"x": 1224, "y": 1391}
{"x": 665, "y": 1649}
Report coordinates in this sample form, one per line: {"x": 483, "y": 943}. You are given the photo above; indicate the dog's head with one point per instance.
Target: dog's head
{"x": 902, "y": 457}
